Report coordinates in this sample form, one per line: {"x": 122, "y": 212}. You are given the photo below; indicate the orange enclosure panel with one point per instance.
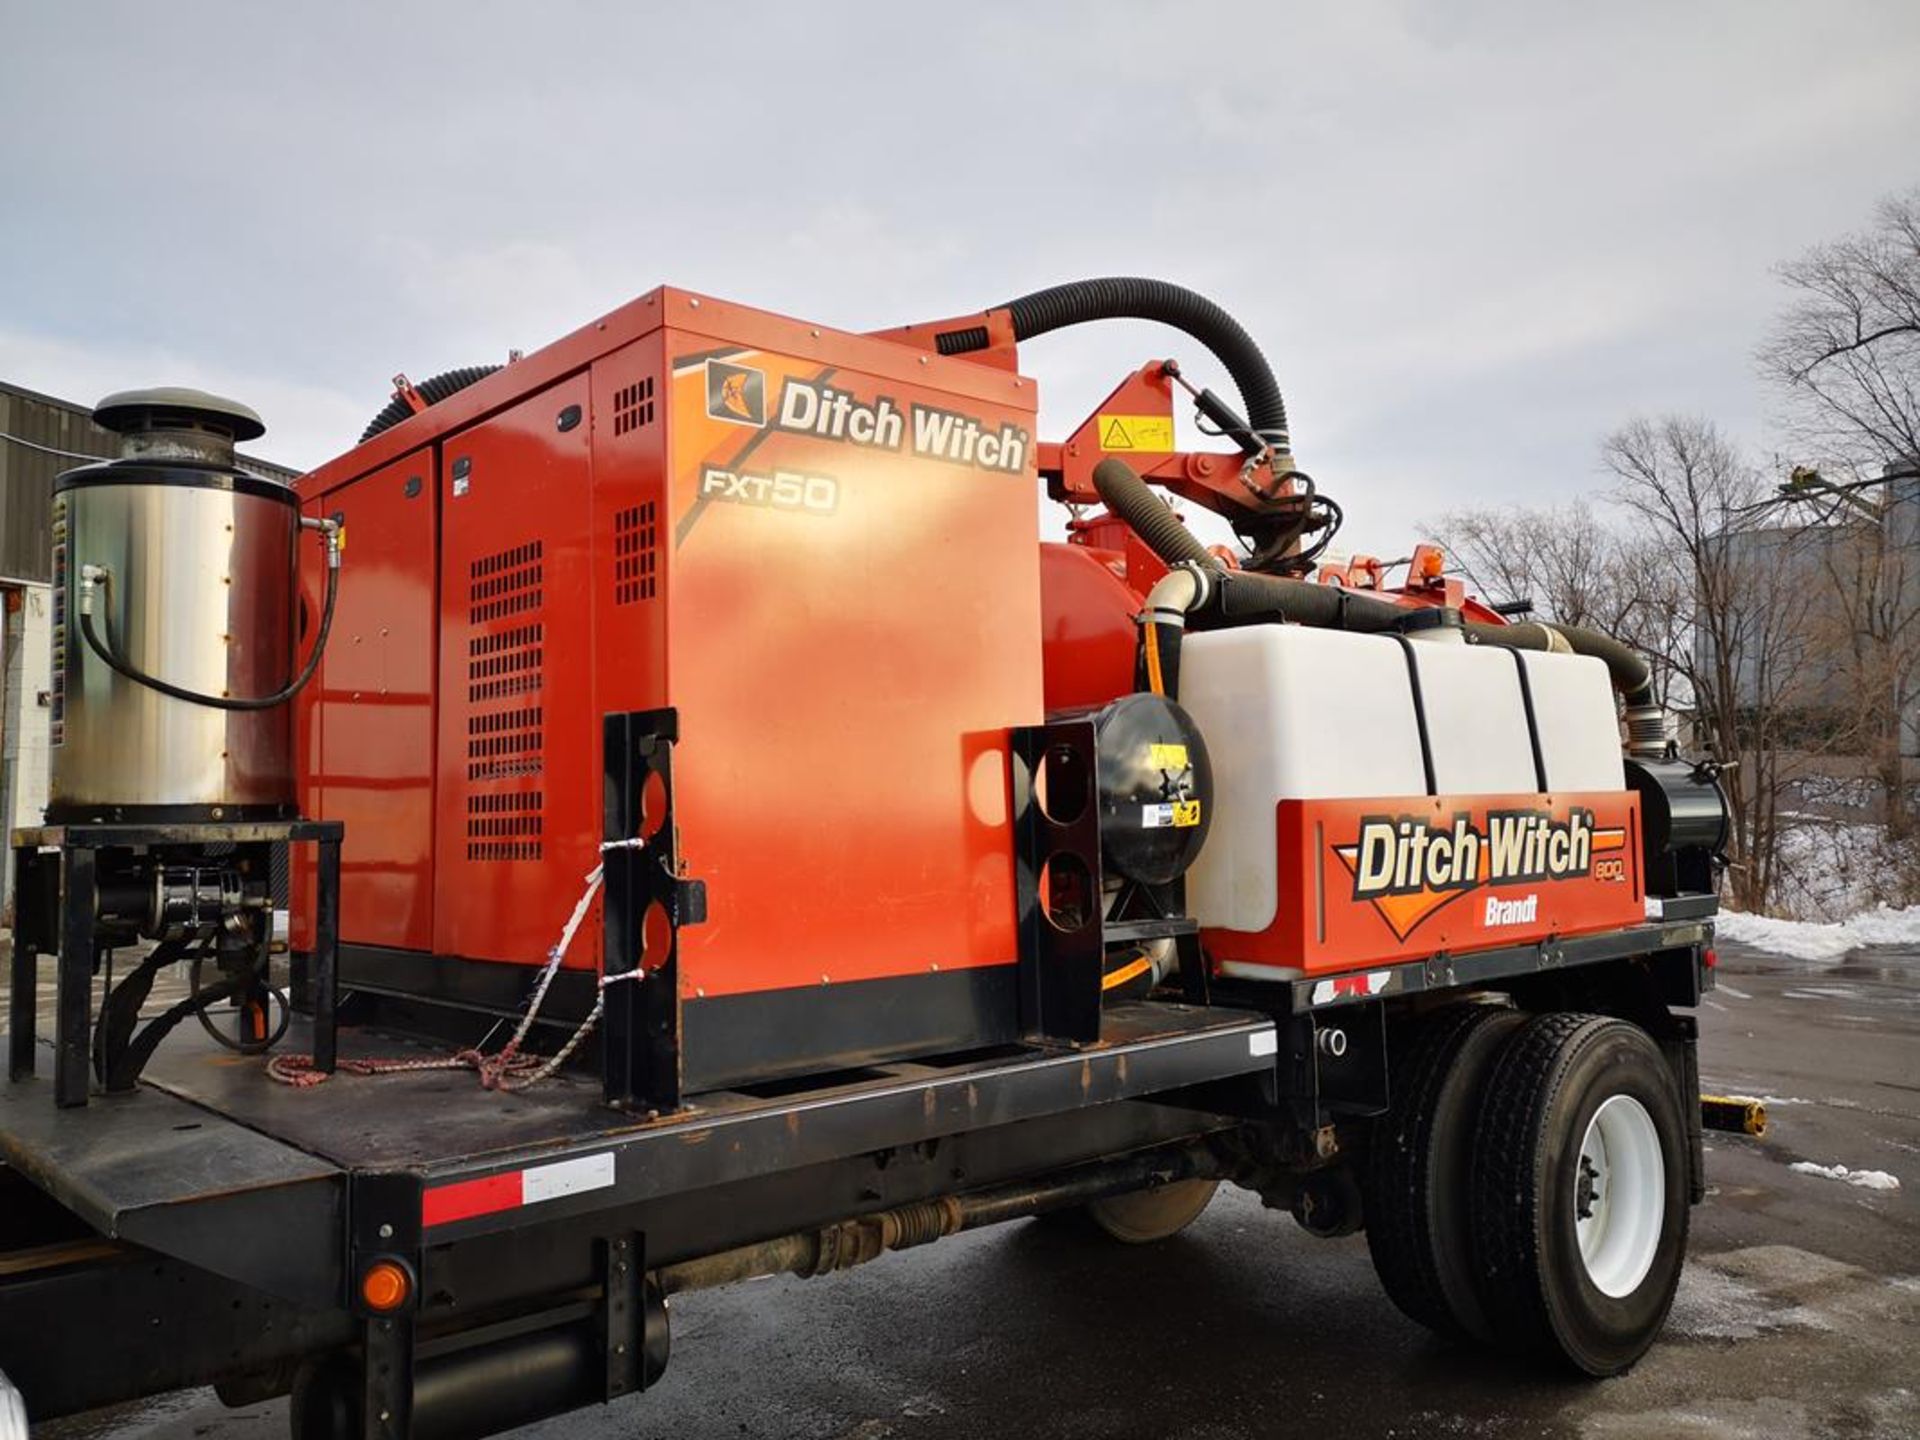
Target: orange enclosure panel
{"x": 1368, "y": 882}
{"x": 853, "y": 624}
{"x": 819, "y": 549}
{"x": 367, "y": 720}
{"x": 518, "y": 790}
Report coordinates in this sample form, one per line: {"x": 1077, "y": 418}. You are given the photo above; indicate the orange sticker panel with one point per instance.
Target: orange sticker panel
{"x": 843, "y": 671}
{"x": 1372, "y": 881}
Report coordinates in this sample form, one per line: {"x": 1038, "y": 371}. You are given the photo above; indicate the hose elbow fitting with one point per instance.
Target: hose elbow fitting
{"x": 1184, "y": 588}
{"x": 91, "y": 576}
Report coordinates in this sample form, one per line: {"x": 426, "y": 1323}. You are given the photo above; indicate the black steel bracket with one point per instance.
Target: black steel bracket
{"x": 1335, "y": 1065}
{"x": 1056, "y": 819}
{"x": 634, "y": 1336}
{"x": 384, "y": 1223}
{"x": 648, "y": 901}
{"x": 387, "y": 1353}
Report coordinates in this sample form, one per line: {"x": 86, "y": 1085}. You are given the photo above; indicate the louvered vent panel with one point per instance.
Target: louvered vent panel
{"x": 504, "y": 743}
{"x": 636, "y": 541}
{"x": 505, "y": 663}
{"x": 509, "y": 583}
{"x": 505, "y": 827}
{"x": 633, "y": 406}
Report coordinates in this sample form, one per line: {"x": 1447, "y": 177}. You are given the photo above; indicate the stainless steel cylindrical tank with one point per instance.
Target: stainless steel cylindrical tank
{"x": 183, "y": 568}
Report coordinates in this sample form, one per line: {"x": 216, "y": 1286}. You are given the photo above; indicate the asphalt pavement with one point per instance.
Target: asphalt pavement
{"x": 1799, "y": 1315}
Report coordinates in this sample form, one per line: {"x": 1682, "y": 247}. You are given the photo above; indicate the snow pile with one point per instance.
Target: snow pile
{"x": 1808, "y": 940}
{"x": 1828, "y": 869}
{"x": 1865, "y": 1179}
{"x": 1845, "y": 883}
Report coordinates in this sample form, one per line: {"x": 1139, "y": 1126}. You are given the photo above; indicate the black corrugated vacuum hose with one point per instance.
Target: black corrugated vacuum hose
{"x": 1131, "y": 298}
{"x": 433, "y": 391}
{"x": 1242, "y": 597}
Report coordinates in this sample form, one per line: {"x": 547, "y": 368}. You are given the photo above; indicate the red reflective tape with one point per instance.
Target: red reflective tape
{"x": 467, "y": 1198}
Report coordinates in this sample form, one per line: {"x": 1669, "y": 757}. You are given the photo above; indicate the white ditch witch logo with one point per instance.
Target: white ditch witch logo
{"x": 1523, "y": 911}
{"x": 1408, "y": 867}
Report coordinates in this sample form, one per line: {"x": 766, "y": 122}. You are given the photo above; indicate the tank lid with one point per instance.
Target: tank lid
{"x": 174, "y": 407}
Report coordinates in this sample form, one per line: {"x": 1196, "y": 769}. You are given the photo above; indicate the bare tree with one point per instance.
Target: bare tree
{"x": 1560, "y": 559}
{"x": 1846, "y": 353}
{"x": 1656, "y": 616}
{"x": 1576, "y": 568}
{"x": 1846, "y": 356}
{"x": 1732, "y": 635}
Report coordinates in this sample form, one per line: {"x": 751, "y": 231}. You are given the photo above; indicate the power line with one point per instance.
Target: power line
{"x": 49, "y": 450}
{"x": 240, "y": 463}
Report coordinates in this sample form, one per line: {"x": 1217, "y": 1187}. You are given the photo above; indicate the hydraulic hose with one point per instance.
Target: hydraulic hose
{"x": 1243, "y": 597}
{"x": 1131, "y": 298}
{"x": 90, "y": 575}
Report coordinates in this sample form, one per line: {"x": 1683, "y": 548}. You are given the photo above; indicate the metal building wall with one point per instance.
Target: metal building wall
{"x": 26, "y": 474}
{"x": 1903, "y": 531}
{"x": 29, "y": 420}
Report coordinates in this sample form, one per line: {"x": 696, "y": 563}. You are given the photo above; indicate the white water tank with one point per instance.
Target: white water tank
{"x": 1293, "y": 712}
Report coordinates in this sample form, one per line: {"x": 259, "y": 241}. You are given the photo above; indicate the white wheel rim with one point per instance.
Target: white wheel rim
{"x": 1619, "y": 1196}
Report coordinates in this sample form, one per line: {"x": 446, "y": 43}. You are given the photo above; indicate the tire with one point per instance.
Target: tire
{"x": 13, "y": 1411}
{"x": 1419, "y": 1222}
{"x": 1142, "y": 1216}
{"x": 1580, "y": 1192}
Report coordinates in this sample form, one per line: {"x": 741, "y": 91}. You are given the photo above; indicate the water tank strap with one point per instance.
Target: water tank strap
{"x": 1419, "y": 712}
{"x": 1533, "y": 725}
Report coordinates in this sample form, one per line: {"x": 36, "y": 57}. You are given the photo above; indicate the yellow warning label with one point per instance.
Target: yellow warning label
{"x": 1136, "y": 432}
{"x": 1167, "y": 757}
{"x": 340, "y": 539}
{"x": 1186, "y": 814}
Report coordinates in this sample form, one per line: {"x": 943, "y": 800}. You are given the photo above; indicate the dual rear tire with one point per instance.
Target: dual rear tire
{"x": 1529, "y": 1188}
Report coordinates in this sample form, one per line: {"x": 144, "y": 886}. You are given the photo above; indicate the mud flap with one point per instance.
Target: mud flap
{"x": 1682, "y": 1048}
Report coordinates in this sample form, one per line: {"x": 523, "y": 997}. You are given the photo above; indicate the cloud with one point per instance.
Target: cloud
{"x": 1472, "y": 238}
{"x": 305, "y": 424}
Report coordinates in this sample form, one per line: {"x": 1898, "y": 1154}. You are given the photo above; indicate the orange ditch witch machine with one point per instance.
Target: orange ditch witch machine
{"x": 726, "y": 839}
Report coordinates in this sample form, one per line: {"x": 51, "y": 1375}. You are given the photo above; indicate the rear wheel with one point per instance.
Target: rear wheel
{"x": 1419, "y": 1225}
{"x": 1580, "y": 1192}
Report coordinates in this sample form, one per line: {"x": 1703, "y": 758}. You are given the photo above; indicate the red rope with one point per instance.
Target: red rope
{"x": 495, "y": 1071}
{"x": 507, "y": 1068}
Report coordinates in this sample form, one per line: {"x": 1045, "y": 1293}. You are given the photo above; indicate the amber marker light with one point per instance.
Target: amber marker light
{"x": 385, "y": 1286}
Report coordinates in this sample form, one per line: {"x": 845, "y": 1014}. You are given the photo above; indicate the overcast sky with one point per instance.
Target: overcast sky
{"x": 1471, "y": 237}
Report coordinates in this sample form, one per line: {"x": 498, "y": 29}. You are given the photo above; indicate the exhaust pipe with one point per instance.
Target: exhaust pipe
{"x": 481, "y": 1389}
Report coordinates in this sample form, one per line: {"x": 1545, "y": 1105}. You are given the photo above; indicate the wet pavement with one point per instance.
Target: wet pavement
{"x": 1799, "y": 1315}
